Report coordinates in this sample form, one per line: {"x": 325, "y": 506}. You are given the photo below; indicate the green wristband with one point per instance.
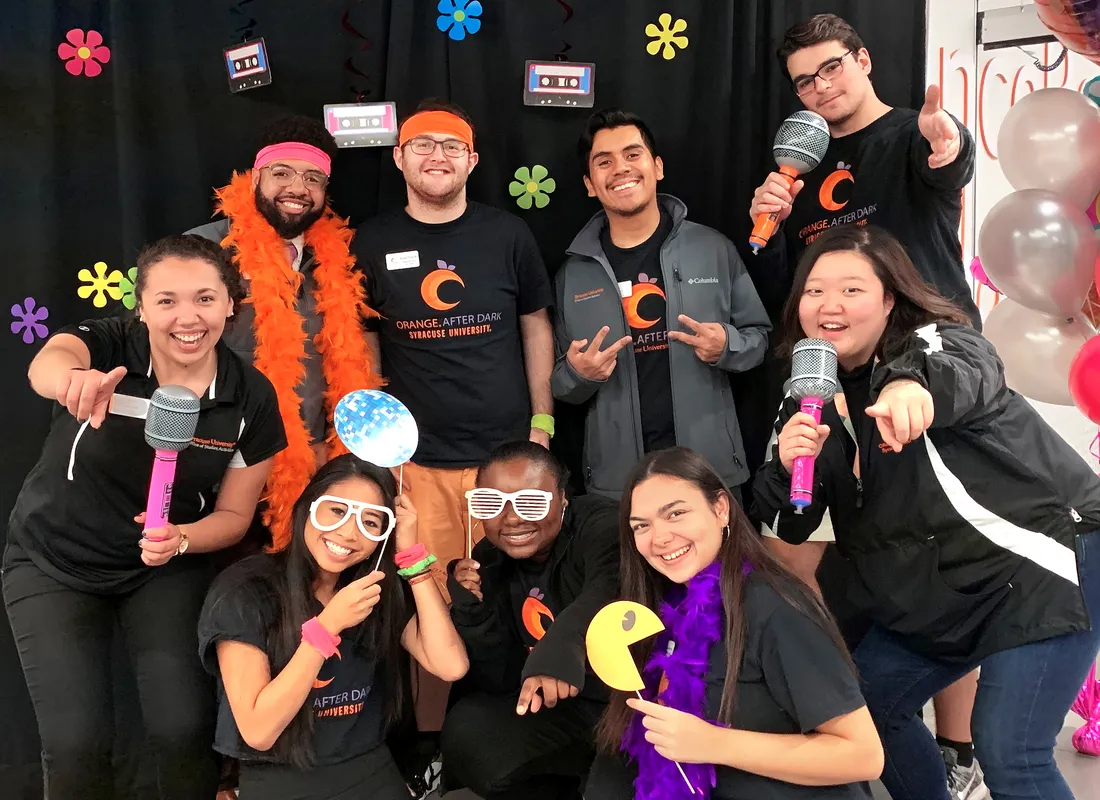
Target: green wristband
{"x": 415, "y": 569}
{"x": 543, "y": 422}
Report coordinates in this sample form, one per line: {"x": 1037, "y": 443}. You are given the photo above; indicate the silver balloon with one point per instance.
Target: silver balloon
{"x": 1037, "y": 350}
{"x": 1051, "y": 140}
{"x": 1040, "y": 250}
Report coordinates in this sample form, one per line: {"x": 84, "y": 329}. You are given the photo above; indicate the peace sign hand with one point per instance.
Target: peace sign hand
{"x": 708, "y": 338}
{"x": 594, "y": 364}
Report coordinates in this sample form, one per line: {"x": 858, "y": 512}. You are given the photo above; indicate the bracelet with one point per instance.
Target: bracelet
{"x": 316, "y": 636}
{"x": 417, "y": 568}
{"x": 424, "y": 576}
{"x": 411, "y": 555}
{"x": 543, "y": 422}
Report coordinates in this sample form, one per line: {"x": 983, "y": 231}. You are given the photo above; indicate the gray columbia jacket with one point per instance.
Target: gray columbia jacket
{"x": 704, "y": 279}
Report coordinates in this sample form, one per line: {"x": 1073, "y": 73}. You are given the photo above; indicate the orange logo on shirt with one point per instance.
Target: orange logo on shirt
{"x": 320, "y": 684}
{"x": 641, "y": 290}
{"x": 434, "y": 280}
{"x": 827, "y": 195}
{"x": 532, "y": 614}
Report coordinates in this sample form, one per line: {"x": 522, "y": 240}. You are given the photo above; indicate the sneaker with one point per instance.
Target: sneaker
{"x": 964, "y": 783}
{"x": 430, "y": 781}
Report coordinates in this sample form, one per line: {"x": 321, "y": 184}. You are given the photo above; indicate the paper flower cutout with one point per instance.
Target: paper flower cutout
{"x": 101, "y": 284}
{"x": 532, "y": 186}
{"x": 126, "y": 286}
{"x": 83, "y": 56}
{"x": 28, "y": 321}
{"x": 665, "y": 37}
{"x": 459, "y": 17}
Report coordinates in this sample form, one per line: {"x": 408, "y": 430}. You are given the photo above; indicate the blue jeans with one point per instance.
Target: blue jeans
{"x": 1024, "y": 695}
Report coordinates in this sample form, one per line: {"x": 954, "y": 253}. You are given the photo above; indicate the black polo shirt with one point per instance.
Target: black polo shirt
{"x": 74, "y": 516}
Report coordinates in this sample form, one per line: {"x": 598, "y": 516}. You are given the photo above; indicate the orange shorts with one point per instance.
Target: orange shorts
{"x": 439, "y": 496}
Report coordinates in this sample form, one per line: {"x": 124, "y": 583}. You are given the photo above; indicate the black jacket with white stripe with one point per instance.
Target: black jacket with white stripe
{"x": 963, "y": 544}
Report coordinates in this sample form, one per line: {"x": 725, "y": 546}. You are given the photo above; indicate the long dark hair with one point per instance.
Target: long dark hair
{"x": 915, "y": 302}
{"x": 643, "y": 584}
{"x": 288, "y": 589}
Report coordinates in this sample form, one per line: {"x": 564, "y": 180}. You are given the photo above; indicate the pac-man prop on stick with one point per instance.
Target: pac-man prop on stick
{"x": 615, "y": 627}
{"x": 610, "y": 634}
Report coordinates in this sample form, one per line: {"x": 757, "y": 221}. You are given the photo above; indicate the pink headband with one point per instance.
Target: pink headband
{"x": 298, "y": 151}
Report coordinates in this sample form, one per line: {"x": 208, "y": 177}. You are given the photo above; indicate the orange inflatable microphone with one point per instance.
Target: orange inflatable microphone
{"x": 800, "y": 144}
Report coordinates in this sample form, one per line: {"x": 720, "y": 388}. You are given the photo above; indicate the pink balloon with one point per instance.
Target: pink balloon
{"x": 1084, "y": 379}
{"x": 978, "y": 271}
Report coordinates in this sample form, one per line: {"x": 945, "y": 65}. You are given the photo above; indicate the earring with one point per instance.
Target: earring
{"x": 726, "y": 531}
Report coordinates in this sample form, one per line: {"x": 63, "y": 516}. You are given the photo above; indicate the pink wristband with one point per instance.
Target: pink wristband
{"x": 412, "y": 555}
{"x": 315, "y": 635}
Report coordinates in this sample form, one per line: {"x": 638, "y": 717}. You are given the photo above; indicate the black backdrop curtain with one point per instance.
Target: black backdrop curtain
{"x": 96, "y": 166}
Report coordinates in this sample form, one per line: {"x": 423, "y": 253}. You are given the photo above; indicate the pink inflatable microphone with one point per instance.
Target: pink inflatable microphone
{"x": 169, "y": 428}
{"x": 813, "y": 384}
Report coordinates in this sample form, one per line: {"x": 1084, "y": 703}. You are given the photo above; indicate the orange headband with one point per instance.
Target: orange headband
{"x": 436, "y": 122}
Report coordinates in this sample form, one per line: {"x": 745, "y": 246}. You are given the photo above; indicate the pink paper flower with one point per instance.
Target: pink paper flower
{"x": 82, "y": 56}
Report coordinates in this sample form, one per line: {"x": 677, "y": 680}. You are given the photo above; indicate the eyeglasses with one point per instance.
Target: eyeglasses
{"x": 284, "y": 176}
{"x": 329, "y": 512}
{"x": 423, "y": 146}
{"x": 529, "y": 504}
{"x": 828, "y": 72}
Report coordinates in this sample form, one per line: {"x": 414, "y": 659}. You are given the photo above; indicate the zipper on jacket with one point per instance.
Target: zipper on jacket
{"x": 1073, "y": 513}
{"x": 636, "y": 413}
{"x": 859, "y": 492}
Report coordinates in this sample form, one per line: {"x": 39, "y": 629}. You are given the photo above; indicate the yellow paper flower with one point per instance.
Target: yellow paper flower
{"x": 665, "y": 38}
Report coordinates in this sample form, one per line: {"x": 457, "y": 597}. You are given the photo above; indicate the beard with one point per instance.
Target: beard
{"x": 287, "y": 228}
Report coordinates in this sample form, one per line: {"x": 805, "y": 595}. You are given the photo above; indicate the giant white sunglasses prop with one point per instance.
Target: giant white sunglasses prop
{"x": 530, "y": 504}
{"x": 337, "y": 510}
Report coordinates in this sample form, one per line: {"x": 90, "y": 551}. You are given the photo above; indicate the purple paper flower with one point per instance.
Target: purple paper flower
{"x": 27, "y": 321}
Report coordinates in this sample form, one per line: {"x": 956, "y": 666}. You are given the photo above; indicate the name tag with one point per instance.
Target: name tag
{"x": 126, "y": 406}
{"x": 625, "y": 288}
{"x": 406, "y": 260}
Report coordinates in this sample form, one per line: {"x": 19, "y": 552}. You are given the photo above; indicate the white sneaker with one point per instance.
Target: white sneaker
{"x": 964, "y": 783}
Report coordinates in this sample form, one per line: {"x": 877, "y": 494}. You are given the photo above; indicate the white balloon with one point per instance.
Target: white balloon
{"x": 1051, "y": 140}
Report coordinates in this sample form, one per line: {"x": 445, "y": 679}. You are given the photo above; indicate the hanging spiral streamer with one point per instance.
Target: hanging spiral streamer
{"x": 359, "y": 81}
{"x": 244, "y": 24}
{"x": 566, "y": 47}
{"x": 1047, "y": 67}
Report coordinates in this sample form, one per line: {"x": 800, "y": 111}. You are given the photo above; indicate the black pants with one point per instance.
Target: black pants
{"x": 373, "y": 775}
{"x": 499, "y": 755}
{"x": 64, "y": 638}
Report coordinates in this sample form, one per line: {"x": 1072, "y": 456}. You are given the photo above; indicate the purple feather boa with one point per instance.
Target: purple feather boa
{"x": 694, "y": 623}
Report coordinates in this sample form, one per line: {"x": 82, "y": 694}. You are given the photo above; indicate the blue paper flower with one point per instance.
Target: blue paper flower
{"x": 459, "y": 17}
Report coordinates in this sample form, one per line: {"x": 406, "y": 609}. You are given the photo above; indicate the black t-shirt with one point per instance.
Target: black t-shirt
{"x": 533, "y": 604}
{"x": 451, "y": 296}
{"x": 793, "y": 678}
{"x": 642, "y": 288}
{"x": 74, "y": 516}
{"x": 880, "y": 176}
{"x": 347, "y": 696}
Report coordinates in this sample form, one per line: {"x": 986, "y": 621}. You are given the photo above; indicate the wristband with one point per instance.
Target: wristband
{"x": 424, "y": 576}
{"x": 417, "y": 568}
{"x": 543, "y": 422}
{"x": 410, "y": 555}
{"x": 315, "y": 635}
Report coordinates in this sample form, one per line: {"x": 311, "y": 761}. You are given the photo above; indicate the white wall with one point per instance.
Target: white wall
{"x": 979, "y": 87}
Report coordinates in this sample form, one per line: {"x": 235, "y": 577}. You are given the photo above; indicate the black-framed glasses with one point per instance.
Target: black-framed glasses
{"x": 424, "y": 146}
{"x": 284, "y": 176}
{"x": 828, "y": 72}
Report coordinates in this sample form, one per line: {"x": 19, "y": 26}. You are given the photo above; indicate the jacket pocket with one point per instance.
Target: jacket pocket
{"x": 910, "y": 596}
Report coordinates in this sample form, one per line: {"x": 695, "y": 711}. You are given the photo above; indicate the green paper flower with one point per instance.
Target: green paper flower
{"x": 127, "y": 284}
{"x": 532, "y": 186}
{"x": 100, "y": 285}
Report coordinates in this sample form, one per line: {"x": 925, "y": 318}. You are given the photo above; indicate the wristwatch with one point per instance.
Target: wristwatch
{"x": 182, "y": 548}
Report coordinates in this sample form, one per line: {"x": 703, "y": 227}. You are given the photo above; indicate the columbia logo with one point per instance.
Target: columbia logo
{"x": 693, "y": 281}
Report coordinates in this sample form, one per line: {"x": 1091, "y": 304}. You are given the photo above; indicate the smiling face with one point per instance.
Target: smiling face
{"x": 847, "y": 86}
{"x": 436, "y": 178}
{"x": 292, "y": 209}
{"x": 844, "y": 303}
{"x": 676, "y": 529}
{"x": 517, "y": 537}
{"x": 622, "y": 172}
{"x": 184, "y": 303}
{"x": 345, "y": 546}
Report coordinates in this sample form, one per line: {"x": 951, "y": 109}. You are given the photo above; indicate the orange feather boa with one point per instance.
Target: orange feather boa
{"x": 260, "y": 254}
